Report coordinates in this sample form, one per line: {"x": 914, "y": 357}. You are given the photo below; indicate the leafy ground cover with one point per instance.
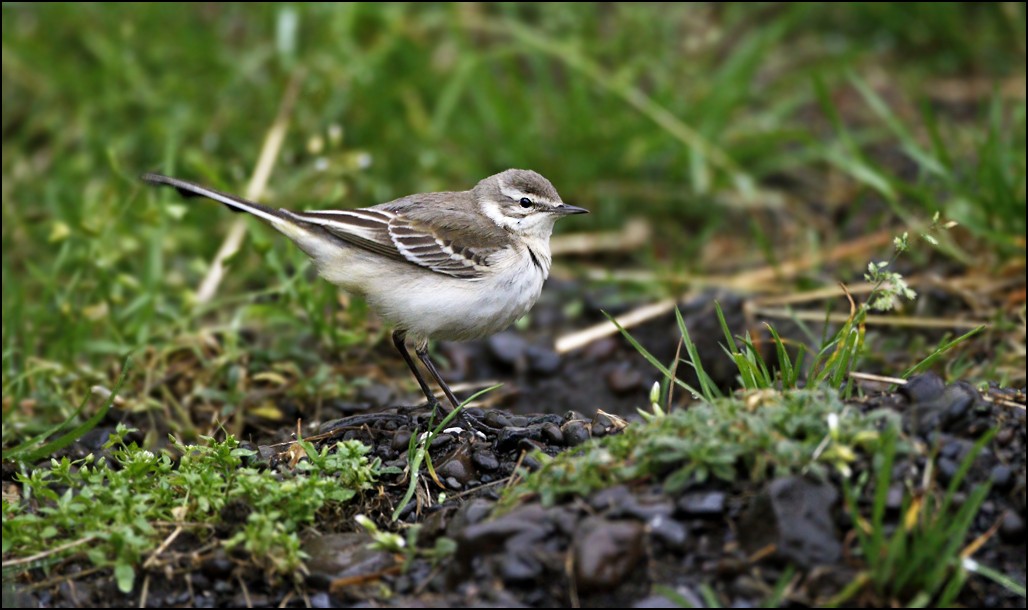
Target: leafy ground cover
{"x": 832, "y": 197}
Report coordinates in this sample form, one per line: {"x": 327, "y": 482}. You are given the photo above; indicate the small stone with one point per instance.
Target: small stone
{"x": 894, "y": 499}
{"x": 508, "y": 348}
{"x": 321, "y": 599}
{"x": 377, "y": 394}
{"x": 947, "y": 469}
{"x": 542, "y": 360}
{"x": 575, "y": 433}
{"x": 485, "y": 460}
{"x": 401, "y": 440}
{"x": 606, "y": 552}
{"x": 332, "y": 556}
{"x": 611, "y": 498}
{"x": 441, "y": 439}
{"x": 496, "y": 419}
{"x": 552, "y": 433}
{"x": 1002, "y": 477}
{"x": 512, "y": 436}
{"x": 794, "y": 514}
{"x": 458, "y": 469}
{"x": 623, "y": 379}
{"x": 600, "y": 350}
{"x": 667, "y": 531}
{"x": 923, "y": 388}
{"x": 1011, "y": 528}
{"x": 702, "y": 503}
{"x": 1004, "y": 436}
{"x": 959, "y": 398}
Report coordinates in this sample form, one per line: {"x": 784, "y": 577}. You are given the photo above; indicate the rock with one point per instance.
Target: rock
{"x": 606, "y": 552}
{"x": 794, "y": 514}
{"x": 472, "y": 512}
{"x": 508, "y": 348}
{"x": 485, "y": 460}
{"x": 623, "y": 379}
{"x": 600, "y": 350}
{"x": 575, "y": 433}
{"x": 512, "y": 436}
{"x": 458, "y": 468}
{"x": 543, "y": 360}
{"x": 667, "y": 531}
{"x": 1011, "y": 528}
{"x": 334, "y": 556}
{"x": 552, "y": 434}
{"x": 377, "y": 394}
{"x": 1002, "y": 477}
{"x": 923, "y": 388}
{"x": 705, "y": 504}
{"x": 529, "y": 520}
{"x": 401, "y": 440}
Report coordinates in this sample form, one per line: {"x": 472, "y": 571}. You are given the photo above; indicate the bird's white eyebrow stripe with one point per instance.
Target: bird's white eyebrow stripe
{"x": 518, "y": 194}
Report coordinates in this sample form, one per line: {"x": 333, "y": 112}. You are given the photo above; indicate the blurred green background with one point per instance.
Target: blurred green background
{"x": 789, "y": 127}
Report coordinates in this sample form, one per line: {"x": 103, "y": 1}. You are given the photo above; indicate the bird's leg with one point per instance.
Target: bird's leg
{"x": 421, "y": 349}
{"x": 400, "y": 341}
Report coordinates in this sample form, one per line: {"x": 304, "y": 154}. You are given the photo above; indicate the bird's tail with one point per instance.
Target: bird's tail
{"x": 275, "y": 217}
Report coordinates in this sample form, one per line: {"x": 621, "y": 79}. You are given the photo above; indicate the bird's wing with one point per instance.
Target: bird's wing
{"x": 446, "y": 248}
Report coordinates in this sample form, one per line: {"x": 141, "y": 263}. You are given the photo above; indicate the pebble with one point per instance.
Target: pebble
{"x": 669, "y": 532}
{"x": 702, "y": 503}
{"x": 606, "y": 552}
{"x": 401, "y": 440}
{"x": 458, "y": 469}
{"x": 575, "y": 433}
{"x": 960, "y": 398}
{"x": 508, "y": 348}
{"x": 795, "y": 514}
{"x": 623, "y": 379}
{"x": 923, "y": 388}
{"x": 485, "y": 460}
{"x": 512, "y": 436}
{"x": 1011, "y": 528}
{"x": 332, "y": 556}
{"x": 543, "y": 360}
{"x": 1002, "y": 477}
{"x": 947, "y": 469}
{"x": 600, "y": 350}
{"x": 552, "y": 433}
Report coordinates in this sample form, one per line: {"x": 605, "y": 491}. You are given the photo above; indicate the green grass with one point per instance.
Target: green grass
{"x": 115, "y": 511}
{"x": 755, "y": 436}
{"x": 682, "y": 114}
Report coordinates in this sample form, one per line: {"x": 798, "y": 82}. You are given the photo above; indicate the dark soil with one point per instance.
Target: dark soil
{"x": 628, "y": 546}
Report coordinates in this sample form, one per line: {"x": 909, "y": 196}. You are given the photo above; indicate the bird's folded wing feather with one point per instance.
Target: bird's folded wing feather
{"x": 397, "y": 236}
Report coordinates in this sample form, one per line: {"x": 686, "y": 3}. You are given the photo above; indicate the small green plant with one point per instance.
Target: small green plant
{"x": 417, "y": 452}
{"x": 406, "y": 546}
{"x": 114, "y": 511}
{"x": 756, "y": 436}
{"x": 918, "y": 562}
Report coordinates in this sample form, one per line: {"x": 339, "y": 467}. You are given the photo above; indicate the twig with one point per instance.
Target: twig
{"x": 145, "y": 591}
{"x": 152, "y": 559}
{"x": 1003, "y": 402}
{"x": 258, "y": 181}
{"x": 871, "y": 320}
{"x": 636, "y": 233}
{"x": 878, "y": 378}
{"x": 44, "y": 554}
{"x": 596, "y": 332}
{"x": 744, "y": 282}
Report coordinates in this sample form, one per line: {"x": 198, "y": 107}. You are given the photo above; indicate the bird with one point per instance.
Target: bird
{"x": 453, "y": 266}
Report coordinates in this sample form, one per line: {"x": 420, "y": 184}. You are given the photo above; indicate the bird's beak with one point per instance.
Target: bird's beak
{"x": 567, "y": 210}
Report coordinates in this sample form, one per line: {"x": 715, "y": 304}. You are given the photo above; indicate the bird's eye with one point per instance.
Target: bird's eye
{"x": 526, "y": 202}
